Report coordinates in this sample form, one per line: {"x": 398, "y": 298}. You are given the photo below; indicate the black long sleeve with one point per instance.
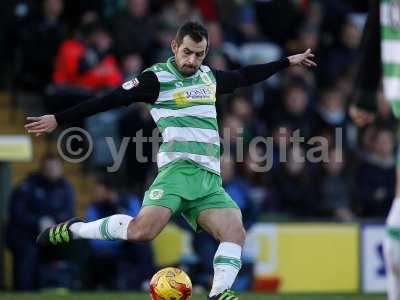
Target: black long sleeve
{"x": 368, "y": 74}
{"x": 144, "y": 88}
{"x": 228, "y": 81}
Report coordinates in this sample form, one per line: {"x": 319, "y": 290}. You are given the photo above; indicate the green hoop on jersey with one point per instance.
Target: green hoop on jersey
{"x": 186, "y": 115}
{"x": 390, "y": 48}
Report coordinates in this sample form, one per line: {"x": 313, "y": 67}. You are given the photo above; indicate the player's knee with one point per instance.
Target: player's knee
{"x": 241, "y": 235}
{"x": 234, "y": 233}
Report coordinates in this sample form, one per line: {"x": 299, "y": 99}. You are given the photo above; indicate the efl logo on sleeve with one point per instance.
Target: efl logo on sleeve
{"x": 130, "y": 84}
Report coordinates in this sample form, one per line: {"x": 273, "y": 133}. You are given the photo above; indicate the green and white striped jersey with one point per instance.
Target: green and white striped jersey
{"x": 186, "y": 115}
{"x": 390, "y": 51}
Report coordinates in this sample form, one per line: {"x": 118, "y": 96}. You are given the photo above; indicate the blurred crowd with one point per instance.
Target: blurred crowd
{"x": 62, "y": 52}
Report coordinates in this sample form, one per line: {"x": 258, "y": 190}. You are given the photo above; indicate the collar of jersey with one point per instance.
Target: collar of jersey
{"x": 173, "y": 69}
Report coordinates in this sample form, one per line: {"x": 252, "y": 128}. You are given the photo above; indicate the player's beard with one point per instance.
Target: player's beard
{"x": 189, "y": 70}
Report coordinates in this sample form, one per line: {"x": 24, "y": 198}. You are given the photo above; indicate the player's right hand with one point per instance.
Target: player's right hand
{"x": 360, "y": 116}
{"x": 41, "y": 125}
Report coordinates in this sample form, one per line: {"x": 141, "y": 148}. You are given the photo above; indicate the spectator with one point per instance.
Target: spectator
{"x": 140, "y": 156}
{"x": 238, "y": 188}
{"x": 335, "y": 195}
{"x": 375, "y": 176}
{"x": 218, "y": 61}
{"x": 281, "y": 144}
{"x": 134, "y": 28}
{"x": 247, "y": 24}
{"x": 86, "y": 62}
{"x": 344, "y": 54}
{"x": 219, "y": 47}
{"x": 299, "y": 76}
{"x": 116, "y": 264}
{"x": 15, "y": 17}
{"x": 367, "y": 142}
{"x": 344, "y": 83}
{"x": 231, "y": 131}
{"x": 242, "y": 109}
{"x": 295, "y": 185}
{"x": 161, "y": 48}
{"x": 43, "y": 199}
{"x": 36, "y": 42}
{"x": 331, "y": 110}
{"x": 84, "y": 66}
{"x": 179, "y": 12}
{"x": 308, "y": 38}
{"x": 207, "y": 9}
{"x": 42, "y": 37}
{"x": 297, "y": 112}
{"x": 277, "y": 18}
{"x": 257, "y": 164}
{"x": 131, "y": 65}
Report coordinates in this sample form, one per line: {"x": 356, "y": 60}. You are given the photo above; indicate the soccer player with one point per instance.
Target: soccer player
{"x": 182, "y": 94}
{"x": 381, "y": 52}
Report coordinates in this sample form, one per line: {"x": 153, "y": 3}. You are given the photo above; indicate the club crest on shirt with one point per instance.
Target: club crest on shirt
{"x": 156, "y": 194}
{"x": 130, "y": 84}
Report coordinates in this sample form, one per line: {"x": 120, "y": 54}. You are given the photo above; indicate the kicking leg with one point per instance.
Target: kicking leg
{"x": 225, "y": 225}
{"x": 391, "y": 245}
{"x": 391, "y": 248}
{"x": 145, "y": 227}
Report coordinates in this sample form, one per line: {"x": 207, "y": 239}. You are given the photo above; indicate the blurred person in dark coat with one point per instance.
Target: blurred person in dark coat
{"x": 297, "y": 112}
{"x": 43, "y": 199}
{"x": 38, "y": 44}
{"x": 335, "y": 197}
{"x": 376, "y": 176}
{"x": 116, "y": 264}
{"x": 134, "y": 28}
{"x": 295, "y": 186}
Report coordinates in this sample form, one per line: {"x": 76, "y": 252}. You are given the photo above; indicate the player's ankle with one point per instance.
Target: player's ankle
{"x": 74, "y": 228}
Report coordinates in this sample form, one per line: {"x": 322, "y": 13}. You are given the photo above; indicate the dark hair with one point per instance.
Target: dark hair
{"x": 193, "y": 29}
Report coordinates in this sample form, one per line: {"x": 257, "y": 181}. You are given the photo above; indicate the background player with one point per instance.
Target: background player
{"x": 381, "y": 35}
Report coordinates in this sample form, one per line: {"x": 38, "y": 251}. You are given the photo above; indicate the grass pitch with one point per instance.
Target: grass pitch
{"x": 141, "y": 296}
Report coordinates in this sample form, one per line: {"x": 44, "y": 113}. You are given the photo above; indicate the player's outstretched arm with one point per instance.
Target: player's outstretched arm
{"x": 228, "y": 81}
{"x": 302, "y": 59}
{"x": 144, "y": 88}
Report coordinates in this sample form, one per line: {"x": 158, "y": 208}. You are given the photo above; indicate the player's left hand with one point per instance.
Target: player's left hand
{"x": 41, "y": 125}
{"x": 303, "y": 59}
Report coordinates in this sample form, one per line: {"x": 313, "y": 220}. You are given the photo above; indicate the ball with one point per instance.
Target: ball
{"x": 170, "y": 284}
